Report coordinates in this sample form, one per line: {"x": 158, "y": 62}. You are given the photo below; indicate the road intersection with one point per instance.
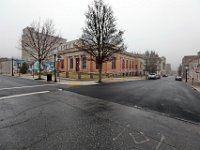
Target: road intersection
{"x": 36, "y": 115}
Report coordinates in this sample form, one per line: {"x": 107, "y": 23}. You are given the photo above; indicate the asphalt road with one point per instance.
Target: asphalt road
{"x": 165, "y": 95}
{"x": 37, "y": 115}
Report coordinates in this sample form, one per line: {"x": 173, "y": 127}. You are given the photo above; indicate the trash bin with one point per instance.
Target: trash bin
{"x": 49, "y": 77}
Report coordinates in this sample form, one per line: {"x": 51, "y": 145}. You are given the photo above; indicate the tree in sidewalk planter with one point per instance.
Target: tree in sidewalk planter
{"x": 39, "y": 40}
{"x": 24, "y": 68}
{"x": 100, "y": 37}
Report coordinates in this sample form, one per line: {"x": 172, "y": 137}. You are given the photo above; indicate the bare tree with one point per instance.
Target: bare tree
{"x": 152, "y": 60}
{"x": 100, "y": 37}
{"x": 39, "y": 40}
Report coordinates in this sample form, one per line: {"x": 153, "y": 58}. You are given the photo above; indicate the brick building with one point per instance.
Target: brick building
{"x": 75, "y": 60}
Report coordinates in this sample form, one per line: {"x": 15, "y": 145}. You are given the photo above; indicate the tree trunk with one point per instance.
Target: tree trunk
{"x": 39, "y": 67}
{"x": 100, "y": 73}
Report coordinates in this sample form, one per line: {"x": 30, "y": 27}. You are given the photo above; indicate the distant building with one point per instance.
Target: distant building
{"x": 2, "y": 59}
{"x": 162, "y": 65}
{"x": 168, "y": 69}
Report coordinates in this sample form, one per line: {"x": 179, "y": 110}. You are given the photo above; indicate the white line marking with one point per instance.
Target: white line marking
{"x": 28, "y": 86}
{"x": 139, "y": 142}
{"x": 20, "y": 95}
{"x": 161, "y": 141}
{"x": 115, "y": 138}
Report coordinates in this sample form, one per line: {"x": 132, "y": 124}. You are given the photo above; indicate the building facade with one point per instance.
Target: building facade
{"x": 168, "y": 69}
{"x": 75, "y": 60}
{"x": 186, "y": 62}
{"x": 194, "y": 69}
{"x": 162, "y": 65}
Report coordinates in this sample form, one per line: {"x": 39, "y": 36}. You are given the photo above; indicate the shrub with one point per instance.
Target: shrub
{"x": 24, "y": 68}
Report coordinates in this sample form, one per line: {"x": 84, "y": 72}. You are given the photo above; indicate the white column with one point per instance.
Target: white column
{"x": 80, "y": 63}
{"x": 74, "y": 63}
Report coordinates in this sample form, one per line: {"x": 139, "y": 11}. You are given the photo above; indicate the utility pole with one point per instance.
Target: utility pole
{"x": 186, "y": 70}
{"x": 55, "y": 80}
{"x": 12, "y": 67}
{"x": 186, "y": 76}
{"x": 1, "y": 67}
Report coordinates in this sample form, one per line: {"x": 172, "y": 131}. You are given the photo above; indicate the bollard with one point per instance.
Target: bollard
{"x": 91, "y": 75}
{"x": 67, "y": 74}
{"x": 79, "y": 75}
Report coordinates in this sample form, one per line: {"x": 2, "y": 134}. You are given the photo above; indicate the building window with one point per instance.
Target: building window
{"x": 123, "y": 64}
{"x": 126, "y": 64}
{"x": 133, "y": 65}
{"x": 62, "y": 64}
{"x": 84, "y": 62}
{"x": 71, "y": 63}
{"x": 136, "y": 67}
{"x": 114, "y": 63}
{"x": 129, "y": 64}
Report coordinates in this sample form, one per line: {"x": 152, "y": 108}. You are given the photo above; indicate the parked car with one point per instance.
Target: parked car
{"x": 178, "y": 78}
{"x": 165, "y": 75}
{"x": 157, "y": 76}
{"x": 152, "y": 76}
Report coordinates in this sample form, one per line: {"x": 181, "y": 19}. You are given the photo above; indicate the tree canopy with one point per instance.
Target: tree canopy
{"x": 100, "y": 37}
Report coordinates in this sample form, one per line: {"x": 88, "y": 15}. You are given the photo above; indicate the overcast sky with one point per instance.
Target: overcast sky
{"x": 170, "y": 27}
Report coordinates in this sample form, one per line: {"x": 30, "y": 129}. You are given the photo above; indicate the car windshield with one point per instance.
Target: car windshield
{"x": 99, "y": 74}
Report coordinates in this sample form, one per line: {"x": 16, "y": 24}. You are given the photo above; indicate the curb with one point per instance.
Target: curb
{"x": 78, "y": 82}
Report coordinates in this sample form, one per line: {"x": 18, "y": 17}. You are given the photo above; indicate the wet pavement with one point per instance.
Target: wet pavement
{"x": 165, "y": 95}
{"x": 60, "y": 120}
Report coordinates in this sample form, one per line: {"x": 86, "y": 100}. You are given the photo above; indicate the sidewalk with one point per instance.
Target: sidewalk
{"x": 68, "y": 81}
{"x": 195, "y": 84}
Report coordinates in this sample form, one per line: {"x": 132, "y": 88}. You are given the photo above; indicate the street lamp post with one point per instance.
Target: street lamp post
{"x": 186, "y": 73}
{"x": 55, "y": 80}
{"x": 12, "y": 67}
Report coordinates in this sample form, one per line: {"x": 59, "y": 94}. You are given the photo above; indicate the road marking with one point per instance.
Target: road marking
{"x": 28, "y": 86}
{"x": 115, "y": 138}
{"x": 139, "y": 142}
{"x": 161, "y": 141}
{"x": 20, "y": 95}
